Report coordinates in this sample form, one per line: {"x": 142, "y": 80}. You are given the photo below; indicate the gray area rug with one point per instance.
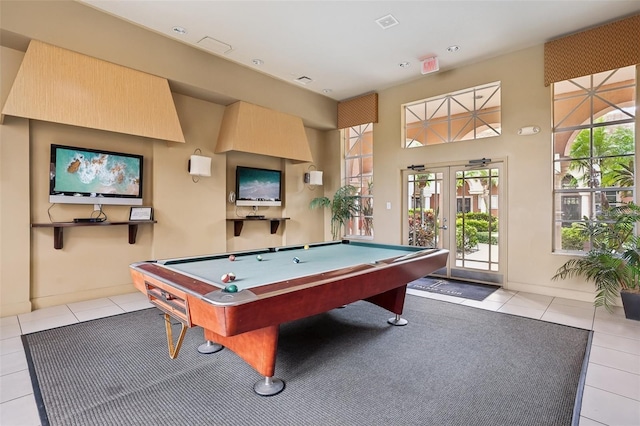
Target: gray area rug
{"x": 452, "y": 365}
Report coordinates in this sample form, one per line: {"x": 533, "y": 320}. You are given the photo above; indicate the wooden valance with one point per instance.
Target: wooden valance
{"x": 356, "y": 111}
{"x": 61, "y": 86}
{"x": 252, "y": 128}
{"x": 610, "y": 46}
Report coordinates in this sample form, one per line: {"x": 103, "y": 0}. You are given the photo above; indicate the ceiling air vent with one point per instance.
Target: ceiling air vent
{"x": 215, "y": 46}
{"x": 387, "y": 21}
{"x": 303, "y": 80}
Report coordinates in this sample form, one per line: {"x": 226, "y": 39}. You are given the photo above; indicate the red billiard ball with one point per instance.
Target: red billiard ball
{"x": 232, "y": 276}
{"x": 225, "y": 278}
{"x": 232, "y": 258}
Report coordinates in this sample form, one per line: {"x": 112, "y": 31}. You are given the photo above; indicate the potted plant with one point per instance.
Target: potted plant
{"x": 343, "y": 207}
{"x": 613, "y": 262}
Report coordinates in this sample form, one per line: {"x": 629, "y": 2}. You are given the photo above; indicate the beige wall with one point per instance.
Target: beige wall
{"x": 527, "y": 209}
{"x": 192, "y": 216}
{"x": 15, "y": 239}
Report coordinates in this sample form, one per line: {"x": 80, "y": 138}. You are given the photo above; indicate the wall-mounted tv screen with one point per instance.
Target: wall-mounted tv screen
{"x": 90, "y": 176}
{"x": 258, "y": 187}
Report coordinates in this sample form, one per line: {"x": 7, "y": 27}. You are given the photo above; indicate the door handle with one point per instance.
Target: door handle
{"x": 445, "y": 227}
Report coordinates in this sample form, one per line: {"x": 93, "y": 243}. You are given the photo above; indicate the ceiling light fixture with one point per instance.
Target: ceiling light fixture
{"x": 453, "y": 48}
{"x": 179, "y": 30}
{"x": 404, "y": 64}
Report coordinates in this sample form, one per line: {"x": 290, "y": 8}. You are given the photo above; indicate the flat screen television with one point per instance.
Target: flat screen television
{"x": 90, "y": 176}
{"x": 258, "y": 187}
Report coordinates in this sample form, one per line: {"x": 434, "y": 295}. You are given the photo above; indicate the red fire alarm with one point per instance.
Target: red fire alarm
{"x": 430, "y": 65}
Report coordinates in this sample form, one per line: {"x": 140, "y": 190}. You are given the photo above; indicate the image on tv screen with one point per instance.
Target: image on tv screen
{"x": 258, "y": 184}
{"x": 86, "y": 172}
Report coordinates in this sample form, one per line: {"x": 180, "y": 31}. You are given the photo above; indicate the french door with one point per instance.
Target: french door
{"x": 458, "y": 208}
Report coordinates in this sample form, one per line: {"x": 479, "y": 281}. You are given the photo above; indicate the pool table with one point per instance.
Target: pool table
{"x": 274, "y": 286}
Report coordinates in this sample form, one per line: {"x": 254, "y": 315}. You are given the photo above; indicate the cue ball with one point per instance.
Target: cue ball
{"x": 232, "y": 276}
{"x": 225, "y": 278}
{"x": 296, "y": 260}
{"x": 306, "y": 247}
{"x": 259, "y": 258}
{"x": 232, "y": 258}
{"x": 231, "y": 288}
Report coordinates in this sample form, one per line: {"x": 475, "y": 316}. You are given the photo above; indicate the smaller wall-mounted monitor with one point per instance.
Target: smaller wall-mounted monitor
{"x": 258, "y": 187}
{"x": 90, "y": 176}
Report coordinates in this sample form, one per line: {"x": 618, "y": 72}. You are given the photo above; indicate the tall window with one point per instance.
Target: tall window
{"x": 358, "y": 169}
{"x": 472, "y": 113}
{"x": 594, "y": 150}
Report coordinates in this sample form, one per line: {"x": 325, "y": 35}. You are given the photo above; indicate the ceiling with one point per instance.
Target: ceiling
{"x": 341, "y": 49}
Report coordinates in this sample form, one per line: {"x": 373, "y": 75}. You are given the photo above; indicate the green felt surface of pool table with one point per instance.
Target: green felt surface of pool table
{"x": 279, "y": 265}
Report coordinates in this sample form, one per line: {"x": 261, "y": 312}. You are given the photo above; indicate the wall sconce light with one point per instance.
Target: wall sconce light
{"x": 528, "y": 130}
{"x": 199, "y": 166}
{"x": 313, "y": 177}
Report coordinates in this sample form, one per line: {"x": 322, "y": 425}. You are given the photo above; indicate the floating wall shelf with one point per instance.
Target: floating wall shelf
{"x": 239, "y": 222}
{"x": 59, "y": 226}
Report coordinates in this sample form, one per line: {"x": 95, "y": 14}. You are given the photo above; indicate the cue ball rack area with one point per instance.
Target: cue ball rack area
{"x": 174, "y": 306}
{"x": 170, "y": 303}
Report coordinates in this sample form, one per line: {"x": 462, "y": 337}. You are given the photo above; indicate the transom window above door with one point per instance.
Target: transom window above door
{"x": 468, "y": 114}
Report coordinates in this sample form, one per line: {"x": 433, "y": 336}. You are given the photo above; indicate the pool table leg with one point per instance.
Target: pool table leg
{"x": 397, "y": 320}
{"x": 269, "y": 386}
{"x": 258, "y": 348}
{"x": 392, "y": 300}
{"x": 209, "y": 347}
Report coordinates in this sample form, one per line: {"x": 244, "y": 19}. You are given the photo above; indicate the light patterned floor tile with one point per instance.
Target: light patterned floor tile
{"x": 128, "y": 298}
{"x": 10, "y": 320}
{"x": 586, "y": 323}
{"x": 20, "y": 412}
{"x": 48, "y": 323}
{"x": 136, "y": 306}
{"x": 15, "y": 385}
{"x": 613, "y": 380}
{"x": 11, "y": 345}
{"x": 588, "y": 422}
{"x": 622, "y": 344}
{"x": 39, "y": 314}
{"x": 521, "y": 311}
{"x": 609, "y": 408}
{"x": 529, "y": 300}
{"x": 90, "y": 305}
{"x": 9, "y": 331}
{"x": 500, "y": 295}
{"x": 574, "y": 303}
{"x": 105, "y": 311}
{"x": 615, "y": 359}
{"x": 617, "y": 326}
{"x": 13, "y": 362}
{"x": 488, "y": 305}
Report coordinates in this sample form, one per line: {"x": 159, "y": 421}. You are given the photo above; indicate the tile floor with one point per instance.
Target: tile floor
{"x": 612, "y": 387}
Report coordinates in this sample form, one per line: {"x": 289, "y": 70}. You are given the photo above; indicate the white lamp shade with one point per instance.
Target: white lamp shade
{"x": 315, "y": 177}
{"x": 200, "y": 166}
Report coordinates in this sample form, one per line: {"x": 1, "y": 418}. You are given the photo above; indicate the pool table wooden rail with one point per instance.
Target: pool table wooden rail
{"x": 251, "y": 329}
